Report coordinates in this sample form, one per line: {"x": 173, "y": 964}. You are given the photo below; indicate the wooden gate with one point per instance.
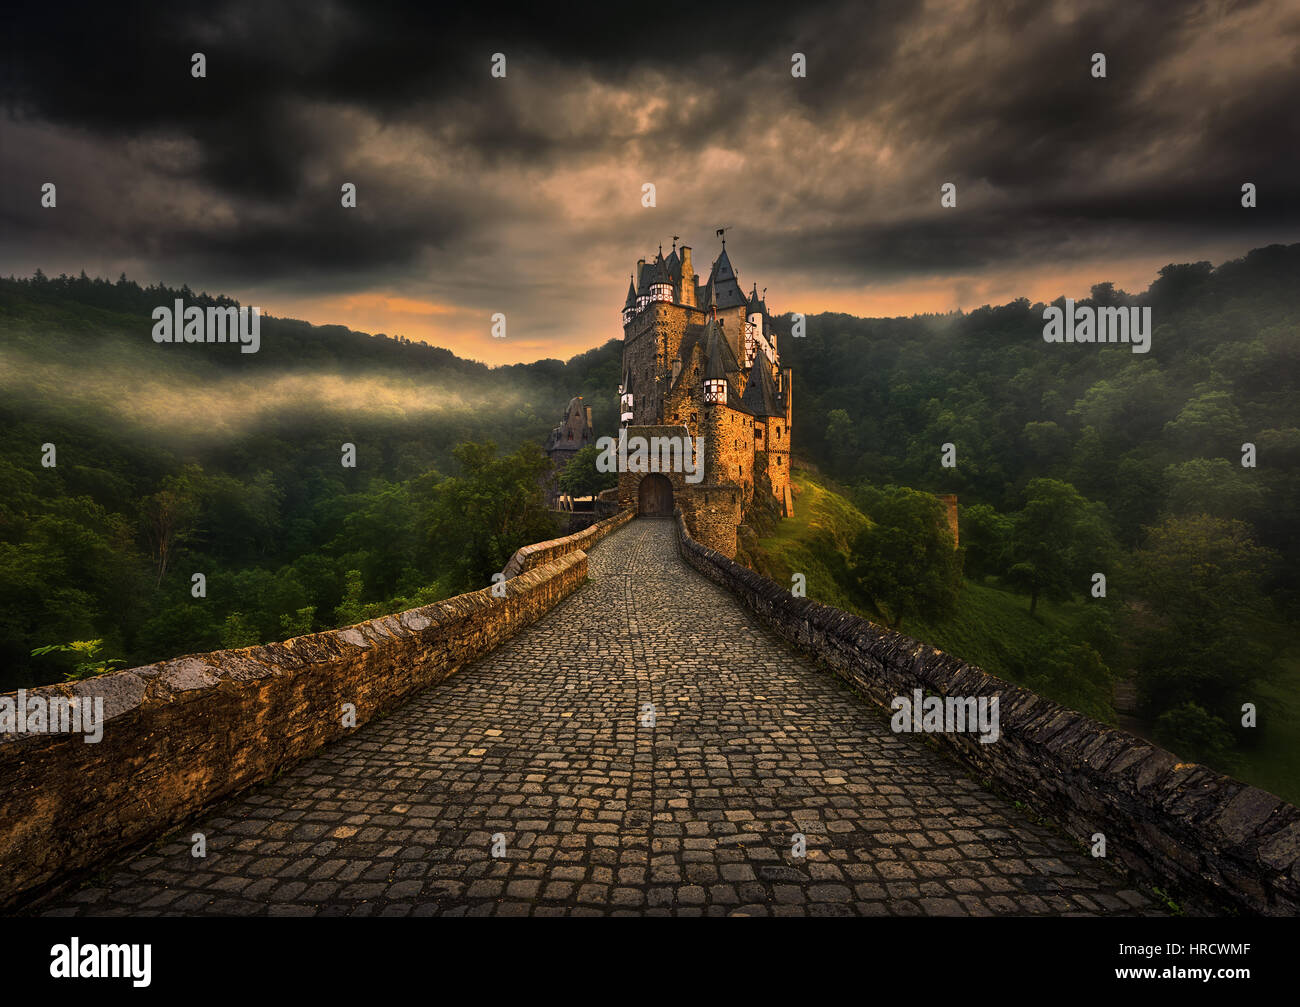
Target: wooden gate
{"x": 655, "y": 496}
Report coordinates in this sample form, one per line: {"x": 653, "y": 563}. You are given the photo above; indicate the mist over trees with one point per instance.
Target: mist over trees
{"x": 1075, "y": 460}
{"x": 176, "y": 460}
{"x": 1072, "y": 460}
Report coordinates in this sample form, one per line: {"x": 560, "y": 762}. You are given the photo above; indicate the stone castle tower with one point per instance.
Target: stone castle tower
{"x": 701, "y": 360}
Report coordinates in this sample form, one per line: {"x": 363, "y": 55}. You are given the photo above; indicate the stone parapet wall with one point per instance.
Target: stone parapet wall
{"x": 532, "y": 556}
{"x": 181, "y": 734}
{"x": 1179, "y": 825}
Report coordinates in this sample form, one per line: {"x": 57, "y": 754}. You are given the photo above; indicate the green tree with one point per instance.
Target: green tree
{"x": 1059, "y": 540}
{"x": 237, "y": 632}
{"x": 841, "y": 441}
{"x": 1209, "y": 423}
{"x": 1195, "y": 634}
{"x": 985, "y": 537}
{"x": 905, "y": 561}
{"x": 297, "y": 623}
{"x": 477, "y": 519}
{"x": 168, "y": 518}
{"x": 89, "y": 660}
{"x": 1192, "y": 732}
{"x": 1072, "y": 673}
{"x": 581, "y": 478}
{"x": 1214, "y": 486}
{"x": 351, "y": 610}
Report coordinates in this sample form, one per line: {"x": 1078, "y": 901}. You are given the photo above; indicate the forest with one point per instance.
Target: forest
{"x": 176, "y": 460}
{"x": 1171, "y": 473}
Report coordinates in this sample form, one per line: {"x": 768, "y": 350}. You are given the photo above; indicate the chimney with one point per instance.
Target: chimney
{"x": 950, "y": 501}
{"x": 688, "y": 277}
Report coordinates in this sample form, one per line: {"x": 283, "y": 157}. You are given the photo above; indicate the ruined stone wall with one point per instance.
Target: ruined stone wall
{"x": 1177, "y": 824}
{"x": 182, "y": 734}
{"x": 949, "y": 501}
{"x": 531, "y": 556}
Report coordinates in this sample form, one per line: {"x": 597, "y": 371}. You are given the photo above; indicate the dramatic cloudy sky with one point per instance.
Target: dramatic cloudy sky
{"x": 523, "y": 194}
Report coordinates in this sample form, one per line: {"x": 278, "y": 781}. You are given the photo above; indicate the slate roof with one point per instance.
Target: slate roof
{"x": 760, "y": 396}
{"x": 723, "y": 284}
{"x": 721, "y": 363}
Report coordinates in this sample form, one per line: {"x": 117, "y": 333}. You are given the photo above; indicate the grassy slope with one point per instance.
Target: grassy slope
{"x": 1274, "y": 764}
{"x": 987, "y": 620}
{"x": 815, "y": 542}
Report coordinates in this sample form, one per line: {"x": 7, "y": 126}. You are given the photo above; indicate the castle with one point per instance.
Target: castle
{"x": 701, "y": 360}
{"x": 573, "y": 434}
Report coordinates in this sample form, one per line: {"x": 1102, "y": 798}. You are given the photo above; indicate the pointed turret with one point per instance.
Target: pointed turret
{"x": 723, "y": 281}
{"x": 625, "y": 399}
{"x": 760, "y": 396}
{"x": 716, "y": 385}
{"x": 661, "y": 284}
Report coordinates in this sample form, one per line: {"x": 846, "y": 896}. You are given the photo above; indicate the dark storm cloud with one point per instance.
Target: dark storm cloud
{"x": 478, "y": 192}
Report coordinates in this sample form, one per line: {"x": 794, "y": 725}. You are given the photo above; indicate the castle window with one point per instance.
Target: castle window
{"x": 715, "y": 390}
{"x": 692, "y": 419}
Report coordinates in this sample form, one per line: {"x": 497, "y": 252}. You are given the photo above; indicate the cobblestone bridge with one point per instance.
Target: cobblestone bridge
{"x": 542, "y": 742}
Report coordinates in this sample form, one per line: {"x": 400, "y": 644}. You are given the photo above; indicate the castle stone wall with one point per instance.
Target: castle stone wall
{"x": 729, "y": 447}
{"x": 713, "y": 513}
{"x": 1177, "y": 824}
{"x": 182, "y": 734}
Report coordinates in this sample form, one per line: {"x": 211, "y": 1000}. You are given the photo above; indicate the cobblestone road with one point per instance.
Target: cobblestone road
{"x": 541, "y": 741}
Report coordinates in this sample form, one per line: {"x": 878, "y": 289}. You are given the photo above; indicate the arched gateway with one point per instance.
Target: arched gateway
{"x": 655, "y": 496}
